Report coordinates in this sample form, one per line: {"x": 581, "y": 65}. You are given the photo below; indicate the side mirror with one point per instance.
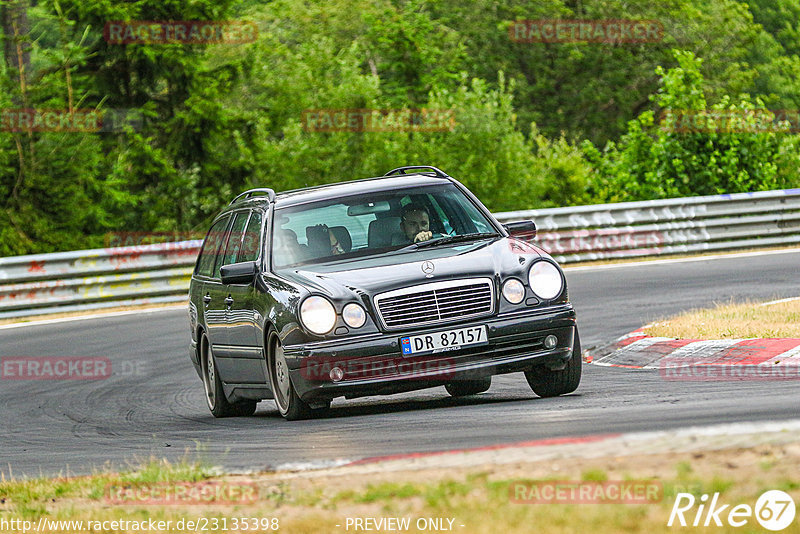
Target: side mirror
{"x": 521, "y": 229}
{"x": 238, "y": 273}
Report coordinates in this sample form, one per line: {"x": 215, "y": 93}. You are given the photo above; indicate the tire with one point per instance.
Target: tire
{"x": 547, "y": 383}
{"x": 290, "y": 405}
{"x": 215, "y": 396}
{"x": 462, "y": 388}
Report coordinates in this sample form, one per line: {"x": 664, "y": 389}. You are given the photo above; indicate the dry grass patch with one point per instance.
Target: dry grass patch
{"x": 733, "y": 320}
{"x": 475, "y": 497}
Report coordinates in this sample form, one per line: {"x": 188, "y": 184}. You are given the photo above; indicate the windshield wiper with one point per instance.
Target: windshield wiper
{"x": 448, "y": 239}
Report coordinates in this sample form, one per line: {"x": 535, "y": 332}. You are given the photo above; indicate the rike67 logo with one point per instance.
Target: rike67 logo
{"x": 774, "y": 510}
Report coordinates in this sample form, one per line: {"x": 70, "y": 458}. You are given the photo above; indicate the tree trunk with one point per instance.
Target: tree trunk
{"x": 17, "y": 47}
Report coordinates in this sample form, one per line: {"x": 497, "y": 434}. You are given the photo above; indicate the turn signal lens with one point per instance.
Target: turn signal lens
{"x": 354, "y": 315}
{"x": 514, "y": 291}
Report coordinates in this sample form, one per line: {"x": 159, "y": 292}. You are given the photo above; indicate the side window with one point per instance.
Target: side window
{"x": 211, "y": 248}
{"x": 333, "y": 215}
{"x": 463, "y": 216}
{"x": 234, "y": 243}
{"x": 440, "y": 214}
{"x": 252, "y": 239}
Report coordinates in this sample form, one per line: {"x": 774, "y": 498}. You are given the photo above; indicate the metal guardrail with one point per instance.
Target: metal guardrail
{"x": 89, "y": 279}
{"x": 671, "y": 226}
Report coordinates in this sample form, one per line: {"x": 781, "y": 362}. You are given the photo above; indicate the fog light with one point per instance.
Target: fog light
{"x": 337, "y": 374}
{"x": 549, "y": 343}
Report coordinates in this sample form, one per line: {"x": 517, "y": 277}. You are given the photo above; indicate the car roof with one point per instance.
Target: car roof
{"x": 341, "y": 189}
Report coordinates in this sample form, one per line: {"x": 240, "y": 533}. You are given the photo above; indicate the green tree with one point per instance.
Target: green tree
{"x": 657, "y": 159}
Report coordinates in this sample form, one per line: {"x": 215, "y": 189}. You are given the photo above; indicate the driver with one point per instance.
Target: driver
{"x": 415, "y": 223}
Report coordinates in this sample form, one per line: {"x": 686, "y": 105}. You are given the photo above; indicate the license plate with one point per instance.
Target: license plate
{"x": 445, "y": 340}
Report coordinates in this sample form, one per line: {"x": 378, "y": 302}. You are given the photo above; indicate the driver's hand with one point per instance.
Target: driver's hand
{"x": 422, "y": 236}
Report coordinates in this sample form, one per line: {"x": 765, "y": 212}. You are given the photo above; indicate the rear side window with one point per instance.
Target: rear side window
{"x": 333, "y": 215}
{"x": 252, "y": 239}
{"x": 234, "y": 243}
{"x": 211, "y": 248}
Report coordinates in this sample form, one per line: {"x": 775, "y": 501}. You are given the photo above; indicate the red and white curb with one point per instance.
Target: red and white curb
{"x": 637, "y": 350}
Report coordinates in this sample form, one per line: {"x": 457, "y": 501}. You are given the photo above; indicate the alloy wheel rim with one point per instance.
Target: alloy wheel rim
{"x": 209, "y": 381}
{"x": 281, "y": 378}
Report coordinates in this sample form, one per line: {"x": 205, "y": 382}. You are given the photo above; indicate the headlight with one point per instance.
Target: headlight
{"x": 545, "y": 280}
{"x": 354, "y": 315}
{"x": 514, "y": 291}
{"x": 318, "y": 315}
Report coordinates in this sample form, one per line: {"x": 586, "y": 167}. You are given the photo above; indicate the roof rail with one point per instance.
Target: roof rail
{"x": 402, "y": 170}
{"x": 249, "y": 193}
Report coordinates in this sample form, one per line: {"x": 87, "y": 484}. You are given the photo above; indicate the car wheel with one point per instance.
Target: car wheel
{"x": 289, "y": 404}
{"x": 547, "y": 383}
{"x": 462, "y": 388}
{"x": 215, "y": 396}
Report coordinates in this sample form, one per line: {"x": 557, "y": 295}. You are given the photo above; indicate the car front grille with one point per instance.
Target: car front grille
{"x": 436, "y": 302}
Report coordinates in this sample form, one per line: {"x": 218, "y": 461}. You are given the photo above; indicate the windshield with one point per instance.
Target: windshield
{"x": 378, "y": 223}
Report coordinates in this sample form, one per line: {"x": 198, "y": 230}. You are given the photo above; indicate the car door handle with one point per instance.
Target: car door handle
{"x": 229, "y": 301}
{"x": 207, "y": 298}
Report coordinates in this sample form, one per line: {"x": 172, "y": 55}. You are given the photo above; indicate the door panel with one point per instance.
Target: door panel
{"x": 215, "y": 313}
{"x": 212, "y": 299}
{"x": 243, "y": 322}
{"x": 227, "y": 357}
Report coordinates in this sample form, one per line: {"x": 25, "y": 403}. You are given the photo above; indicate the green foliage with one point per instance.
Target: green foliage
{"x": 48, "y": 179}
{"x": 659, "y": 160}
{"x": 536, "y": 124}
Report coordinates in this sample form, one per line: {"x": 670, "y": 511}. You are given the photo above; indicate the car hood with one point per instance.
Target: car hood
{"x": 374, "y": 275}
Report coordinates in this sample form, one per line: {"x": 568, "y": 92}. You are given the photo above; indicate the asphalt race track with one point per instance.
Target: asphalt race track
{"x": 153, "y": 403}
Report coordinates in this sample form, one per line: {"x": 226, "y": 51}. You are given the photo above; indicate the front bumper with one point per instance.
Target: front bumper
{"x": 374, "y": 365}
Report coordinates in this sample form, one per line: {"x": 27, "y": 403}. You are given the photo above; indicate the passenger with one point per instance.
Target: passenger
{"x": 323, "y": 242}
{"x": 287, "y": 247}
{"x": 336, "y": 247}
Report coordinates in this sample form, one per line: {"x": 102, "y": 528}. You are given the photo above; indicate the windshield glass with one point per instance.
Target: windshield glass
{"x": 378, "y": 223}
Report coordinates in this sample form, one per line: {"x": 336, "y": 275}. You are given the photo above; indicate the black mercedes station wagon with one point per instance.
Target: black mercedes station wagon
{"x": 373, "y": 287}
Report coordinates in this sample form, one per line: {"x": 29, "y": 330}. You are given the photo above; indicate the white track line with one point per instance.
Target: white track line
{"x": 678, "y": 260}
{"x": 171, "y": 307}
{"x": 779, "y": 301}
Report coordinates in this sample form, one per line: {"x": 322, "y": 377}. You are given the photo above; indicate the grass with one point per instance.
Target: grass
{"x": 29, "y": 495}
{"x": 594, "y": 475}
{"x": 479, "y": 500}
{"x": 733, "y": 320}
